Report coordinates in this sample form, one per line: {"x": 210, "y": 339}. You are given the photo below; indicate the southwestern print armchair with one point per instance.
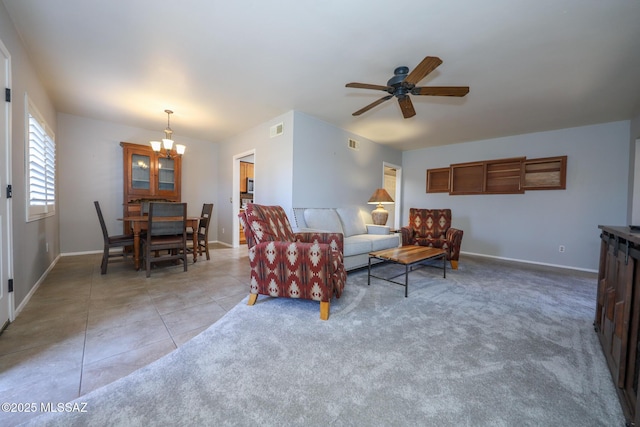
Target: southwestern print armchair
{"x": 292, "y": 265}
{"x": 432, "y": 227}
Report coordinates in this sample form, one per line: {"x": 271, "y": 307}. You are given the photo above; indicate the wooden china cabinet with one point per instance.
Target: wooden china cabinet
{"x": 148, "y": 176}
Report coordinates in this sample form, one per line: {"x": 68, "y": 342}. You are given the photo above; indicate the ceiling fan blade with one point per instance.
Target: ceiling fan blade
{"x": 427, "y": 65}
{"x": 407, "y": 107}
{"x": 373, "y": 104}
{"x": 366, "y": 86}
{"x": 441, "y": 90}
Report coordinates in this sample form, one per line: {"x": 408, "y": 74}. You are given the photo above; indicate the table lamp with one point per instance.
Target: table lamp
{"x": 379, "y": 214}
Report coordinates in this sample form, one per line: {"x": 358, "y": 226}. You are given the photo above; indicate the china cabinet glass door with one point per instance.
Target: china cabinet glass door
{"x": 140, "y": 172}
{"x": 166, "y": 174}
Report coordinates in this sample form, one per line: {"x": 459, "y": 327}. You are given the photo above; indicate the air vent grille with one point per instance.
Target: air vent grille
{"x": 276, "y": 130}
{"x": 354, "y": 145}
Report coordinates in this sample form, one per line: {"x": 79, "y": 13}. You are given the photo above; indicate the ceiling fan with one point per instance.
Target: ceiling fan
{"x": 403, "y": 83}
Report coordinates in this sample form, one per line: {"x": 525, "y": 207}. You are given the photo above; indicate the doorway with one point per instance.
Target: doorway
{"x": 6, "y": 298}
{"x": 392, "y": 182}
{"x": 243, "y": 191}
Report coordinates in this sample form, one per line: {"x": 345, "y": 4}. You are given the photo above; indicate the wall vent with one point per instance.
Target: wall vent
{"x": 276, "y": 130}
{"x": 353, "y": 144}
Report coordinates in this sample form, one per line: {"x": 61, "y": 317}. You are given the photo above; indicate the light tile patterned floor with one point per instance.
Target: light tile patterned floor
{"x": 82, "y": 330}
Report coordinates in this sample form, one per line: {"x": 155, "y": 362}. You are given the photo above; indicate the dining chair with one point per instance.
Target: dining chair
{"x": 203, "y": 230}
{"x": 116, "y": 241}
{"x": 166, "y": 230}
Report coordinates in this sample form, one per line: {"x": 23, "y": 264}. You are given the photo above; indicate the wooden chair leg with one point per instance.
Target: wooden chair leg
{"x": 252, "y": 299}
{"x": 105, "y": 261}
{"x": 324, "y": 310}
{"x": 454, "y": 264}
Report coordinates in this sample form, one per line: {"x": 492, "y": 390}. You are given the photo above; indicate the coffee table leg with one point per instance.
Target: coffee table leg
{"x": 406, "y": 281}
{"x": 369, "y": 274}
{"x": 444, "y": 266}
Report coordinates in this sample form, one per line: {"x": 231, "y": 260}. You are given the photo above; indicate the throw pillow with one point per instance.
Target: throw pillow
{"x": 323, "y": 219}
{"x": 352, "y": 222}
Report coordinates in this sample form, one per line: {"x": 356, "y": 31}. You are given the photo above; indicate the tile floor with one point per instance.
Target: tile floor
{"x": 82, "y": 330}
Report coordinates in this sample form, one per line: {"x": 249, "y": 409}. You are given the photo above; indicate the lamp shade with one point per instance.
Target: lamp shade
{"x": 380, "y": 196}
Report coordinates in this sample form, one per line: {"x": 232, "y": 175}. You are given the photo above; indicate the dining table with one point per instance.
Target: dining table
{"x": 140, "y": 223}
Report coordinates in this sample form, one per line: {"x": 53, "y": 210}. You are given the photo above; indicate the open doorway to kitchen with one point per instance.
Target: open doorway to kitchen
{"x": 243, "y": 190}
{"x": 393, "y": 184}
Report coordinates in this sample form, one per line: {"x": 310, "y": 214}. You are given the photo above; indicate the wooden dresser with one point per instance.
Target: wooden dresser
{"x": 618, "y": 312}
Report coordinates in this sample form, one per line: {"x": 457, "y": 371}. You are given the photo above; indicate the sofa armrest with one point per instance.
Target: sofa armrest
{"x": 378, "y": 229}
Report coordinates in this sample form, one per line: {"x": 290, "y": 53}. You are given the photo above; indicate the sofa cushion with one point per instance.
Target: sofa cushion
{"x": 384, "y": 241}
{"x": 323, "y": 219}
{"x": 352, "y": 222}
{"x": 358, "y": 244}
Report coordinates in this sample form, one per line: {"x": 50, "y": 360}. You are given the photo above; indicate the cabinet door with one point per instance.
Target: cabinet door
{"x": 168, "y": 171}
{"x": 467, "y": 178}
{"x": 139, "y": 173}
{"x": 243, "y": 177}
{"x": 616, "y": 290}
{"x": 503, "y": 176}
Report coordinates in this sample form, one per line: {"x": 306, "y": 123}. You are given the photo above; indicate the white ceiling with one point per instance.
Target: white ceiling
{"x": 227, "y": 66}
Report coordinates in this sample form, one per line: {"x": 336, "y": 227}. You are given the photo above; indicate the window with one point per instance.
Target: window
{"x": 41, "y": 166}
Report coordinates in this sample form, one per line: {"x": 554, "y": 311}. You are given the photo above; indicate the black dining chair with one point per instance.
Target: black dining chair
{"x": 166, "y": 230}
{"x": 202, "y": 231}
{"x": 116, "y": 241}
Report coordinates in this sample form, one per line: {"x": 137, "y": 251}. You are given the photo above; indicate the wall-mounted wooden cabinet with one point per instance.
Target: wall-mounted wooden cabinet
{"x": 500, "y": 176}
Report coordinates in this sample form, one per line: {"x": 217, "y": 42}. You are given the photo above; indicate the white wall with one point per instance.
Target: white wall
{"x": 90, "y": 168}
{"x": 329, "y": 174}
{"x": 272, "y": 171}
{"x": 531, "y": 226}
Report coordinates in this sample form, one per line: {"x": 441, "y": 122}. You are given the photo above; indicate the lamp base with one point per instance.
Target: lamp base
{"x": 379, "y": 215}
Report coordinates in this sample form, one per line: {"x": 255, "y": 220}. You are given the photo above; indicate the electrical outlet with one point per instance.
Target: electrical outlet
{"x": 46, "y": 246}
{"x": 222, "y": 230}
{"x": 561, "y": 248}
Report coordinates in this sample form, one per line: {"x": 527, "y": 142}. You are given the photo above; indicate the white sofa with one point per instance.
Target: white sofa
{"x": 361, "y": 236}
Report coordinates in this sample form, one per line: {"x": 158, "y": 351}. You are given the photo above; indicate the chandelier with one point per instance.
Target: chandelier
{"x": 167, "y": 142}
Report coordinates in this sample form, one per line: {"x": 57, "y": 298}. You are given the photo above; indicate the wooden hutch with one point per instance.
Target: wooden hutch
{"x": 148, "y": 176}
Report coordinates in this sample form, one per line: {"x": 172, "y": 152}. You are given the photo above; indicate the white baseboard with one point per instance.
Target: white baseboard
{"x": 35, "y": 287}
{"x": 530, "y": 262}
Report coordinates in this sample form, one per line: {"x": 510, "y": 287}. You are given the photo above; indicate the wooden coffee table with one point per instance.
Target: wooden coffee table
{"x": 409, "y": 256}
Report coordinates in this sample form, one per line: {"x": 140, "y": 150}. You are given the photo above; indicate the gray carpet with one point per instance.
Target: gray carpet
{"x": 493, "y": 344}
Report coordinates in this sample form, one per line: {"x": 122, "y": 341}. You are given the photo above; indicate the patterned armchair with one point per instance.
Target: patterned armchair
{"x": 292, "y": 265}
{"x": 432, "y": 227}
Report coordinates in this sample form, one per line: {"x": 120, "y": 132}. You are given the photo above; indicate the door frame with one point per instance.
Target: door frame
{"x": 235, "y": 197}
{"x": 397, "y": 211}
{"x": 7, "y": 303}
